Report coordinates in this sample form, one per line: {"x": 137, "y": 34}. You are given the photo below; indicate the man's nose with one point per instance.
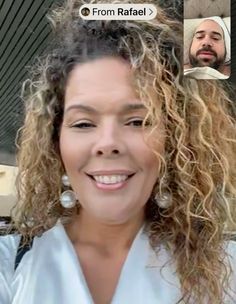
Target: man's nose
{"x": 207, "y": 41}
{"x": 110, "y": 142}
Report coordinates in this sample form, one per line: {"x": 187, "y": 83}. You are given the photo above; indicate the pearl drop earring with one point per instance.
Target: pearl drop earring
{"x": 67, "y": 198}
{"x": 163, "y": 201}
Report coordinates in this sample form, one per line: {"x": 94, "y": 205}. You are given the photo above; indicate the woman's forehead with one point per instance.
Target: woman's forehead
{"x": 100, "y": 70}
{"x": 105, "y": 79}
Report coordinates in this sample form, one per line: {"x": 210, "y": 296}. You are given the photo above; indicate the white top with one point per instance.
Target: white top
{"x": 204, "y": 73}
{"x": 50, "y": 273}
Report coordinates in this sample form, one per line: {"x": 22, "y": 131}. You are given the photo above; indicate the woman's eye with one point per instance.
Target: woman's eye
{"x": 135, "y": 122}
{"x": 83, "y": 125}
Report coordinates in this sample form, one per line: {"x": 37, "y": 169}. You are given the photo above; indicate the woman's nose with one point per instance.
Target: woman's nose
{"x": 110, "y": 142}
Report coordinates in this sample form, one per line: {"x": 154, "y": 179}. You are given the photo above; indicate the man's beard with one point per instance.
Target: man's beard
{"x": 198, "y": 62}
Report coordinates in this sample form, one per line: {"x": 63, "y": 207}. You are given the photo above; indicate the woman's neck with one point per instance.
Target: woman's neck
{"x": 86, "y": 230}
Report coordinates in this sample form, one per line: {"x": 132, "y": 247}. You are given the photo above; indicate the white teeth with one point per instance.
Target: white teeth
{"x": 110, "y": 179}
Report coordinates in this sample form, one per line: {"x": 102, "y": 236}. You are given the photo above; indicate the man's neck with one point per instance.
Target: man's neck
{"x": 225, "y": 69}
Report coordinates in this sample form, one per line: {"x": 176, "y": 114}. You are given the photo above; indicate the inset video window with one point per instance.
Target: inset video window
{"x": 207, "y": 42}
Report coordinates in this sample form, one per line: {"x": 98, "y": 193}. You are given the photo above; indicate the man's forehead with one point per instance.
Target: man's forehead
{"x": 209, "y": 26}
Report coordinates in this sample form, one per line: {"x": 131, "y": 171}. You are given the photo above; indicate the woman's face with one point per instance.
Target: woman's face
{"x": 110, "y": 167}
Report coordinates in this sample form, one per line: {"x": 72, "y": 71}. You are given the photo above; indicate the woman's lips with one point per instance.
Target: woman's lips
{"x": 110, "y": 186}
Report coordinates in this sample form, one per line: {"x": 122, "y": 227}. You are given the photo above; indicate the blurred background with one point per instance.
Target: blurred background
{"x": 24, "y": 34}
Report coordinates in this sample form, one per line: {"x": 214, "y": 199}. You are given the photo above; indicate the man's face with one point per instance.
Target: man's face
{"x": 208, "y": 46}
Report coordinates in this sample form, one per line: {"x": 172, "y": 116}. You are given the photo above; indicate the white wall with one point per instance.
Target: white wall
{"x": 7, "y": 189}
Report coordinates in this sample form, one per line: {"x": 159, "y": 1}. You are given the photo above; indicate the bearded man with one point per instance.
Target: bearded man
{"x": 208, "y": 47}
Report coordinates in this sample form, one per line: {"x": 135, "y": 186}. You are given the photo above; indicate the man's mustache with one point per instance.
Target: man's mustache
{"x": 206, "y": 49}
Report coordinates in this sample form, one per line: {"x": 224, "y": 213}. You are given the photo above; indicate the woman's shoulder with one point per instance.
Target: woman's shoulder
{"x": 8, "y": 246}
{"x": 231, "y": 261}
{"x": 231, "y": 253}
{"x": 232, "y": 244}
{"x": 230, "y": 248}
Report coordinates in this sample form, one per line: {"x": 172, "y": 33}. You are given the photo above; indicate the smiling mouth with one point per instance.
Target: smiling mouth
{"x": 110, "y": 179}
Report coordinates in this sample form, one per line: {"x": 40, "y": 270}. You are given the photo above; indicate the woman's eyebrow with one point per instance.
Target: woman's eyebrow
{"x": 83, "y": 108}
{"x": 132, "y": 107}
{"x": 124, "y": 109}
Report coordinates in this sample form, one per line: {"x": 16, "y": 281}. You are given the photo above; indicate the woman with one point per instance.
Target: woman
{"x": 126, "y": 173}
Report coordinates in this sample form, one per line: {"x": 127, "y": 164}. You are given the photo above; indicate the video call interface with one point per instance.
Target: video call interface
{"x": 207, "y": 28}
{"x": 193, "y": 121}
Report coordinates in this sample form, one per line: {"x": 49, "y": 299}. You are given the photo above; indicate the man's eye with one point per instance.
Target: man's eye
{"x": 216, "y": 39}
{"x": 83, "y": 125}
{"x": 199, "y": 37}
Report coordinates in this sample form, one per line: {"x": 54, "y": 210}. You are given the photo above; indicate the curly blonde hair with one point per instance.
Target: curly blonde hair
{"x": 199, "y": 165}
